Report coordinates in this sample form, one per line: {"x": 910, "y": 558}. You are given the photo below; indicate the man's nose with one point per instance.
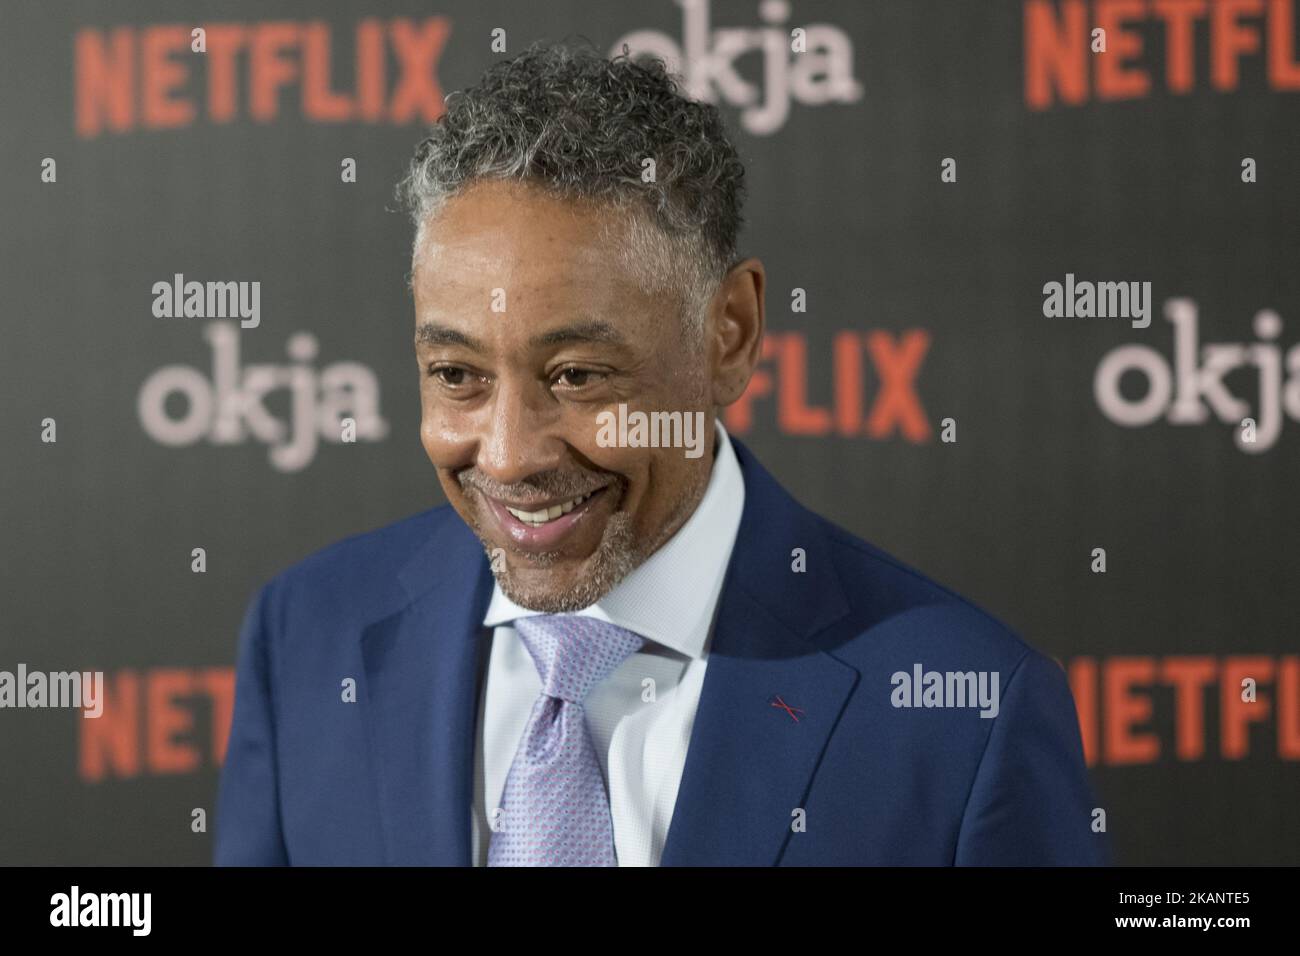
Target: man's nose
{"x": 520, "y": 437}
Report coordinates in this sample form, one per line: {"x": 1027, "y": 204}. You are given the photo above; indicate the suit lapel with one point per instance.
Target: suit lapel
{"x": 421, "y": 700}
{"x": 750, "y": 761}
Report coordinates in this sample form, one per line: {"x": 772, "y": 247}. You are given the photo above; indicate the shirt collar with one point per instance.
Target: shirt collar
{"x": 671, "y": 596}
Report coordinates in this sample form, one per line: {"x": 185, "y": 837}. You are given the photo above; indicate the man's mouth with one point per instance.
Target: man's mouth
{"x": 536, "y": 519}
{"x": 547, "y": 525}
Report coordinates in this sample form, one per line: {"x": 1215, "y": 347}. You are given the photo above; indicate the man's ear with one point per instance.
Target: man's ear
{"x": 736, "y": 330}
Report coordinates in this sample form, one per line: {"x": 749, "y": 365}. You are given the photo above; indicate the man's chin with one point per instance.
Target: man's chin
{"x": 553, "y": 584}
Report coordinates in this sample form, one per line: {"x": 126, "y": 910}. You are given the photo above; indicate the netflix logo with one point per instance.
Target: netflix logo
{"x": 168, "y": 76}
{"x": 1144, "y": 709}
{"x": 1076, "y": 50}
{"x": 894, "y": 408}
{"x": 159, "y": 722}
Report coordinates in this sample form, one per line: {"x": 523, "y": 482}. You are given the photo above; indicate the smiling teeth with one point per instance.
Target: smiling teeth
{"x": 536, "y": 519}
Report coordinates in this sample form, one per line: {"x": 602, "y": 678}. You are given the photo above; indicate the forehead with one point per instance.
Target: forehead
{"x": 503, "y": 235}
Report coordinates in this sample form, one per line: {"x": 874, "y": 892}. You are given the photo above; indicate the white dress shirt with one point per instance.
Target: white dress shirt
{"x": 670, "y": 601}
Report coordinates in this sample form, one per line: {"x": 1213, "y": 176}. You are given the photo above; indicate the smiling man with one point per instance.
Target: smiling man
{"x": 638, "y": 651}
{"x": 528, "y": 328}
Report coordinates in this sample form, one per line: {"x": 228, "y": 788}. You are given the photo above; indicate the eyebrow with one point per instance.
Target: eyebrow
{"x": 594, "y": 331}
{"x": 431, "y": 333}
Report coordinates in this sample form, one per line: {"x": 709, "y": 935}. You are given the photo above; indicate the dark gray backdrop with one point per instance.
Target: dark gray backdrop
{"x": 846, "y": 202}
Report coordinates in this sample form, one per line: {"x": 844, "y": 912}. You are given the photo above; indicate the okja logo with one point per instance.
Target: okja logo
{"x": 1188, "y": 388}
{"x": 339, "y": 403}
{"x": 810, "y": 63}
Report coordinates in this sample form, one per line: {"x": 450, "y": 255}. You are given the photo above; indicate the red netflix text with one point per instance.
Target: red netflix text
{"x": 783, "y": 375}
{"x": 1122, "y": 700}
{"x": 1061, "y": 67}
{"x": 149, "y": 77}
{"x": 150, "y": 723}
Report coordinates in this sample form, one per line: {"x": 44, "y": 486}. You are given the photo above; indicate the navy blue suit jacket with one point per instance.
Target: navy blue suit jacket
{"x": 312, "y": 779}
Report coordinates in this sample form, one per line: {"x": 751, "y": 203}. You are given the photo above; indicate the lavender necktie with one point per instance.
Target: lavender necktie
{"x": 555, "y": 811}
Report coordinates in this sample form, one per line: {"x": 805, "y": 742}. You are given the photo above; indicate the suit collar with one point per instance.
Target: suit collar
{"x": 777, "y": 537}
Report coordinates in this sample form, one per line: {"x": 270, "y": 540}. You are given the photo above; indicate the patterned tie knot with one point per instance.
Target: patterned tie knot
{"x": 574, "y": 653}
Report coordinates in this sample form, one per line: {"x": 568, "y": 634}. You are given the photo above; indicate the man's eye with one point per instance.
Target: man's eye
{"x": 576, "y": 377}
{"x": 449, "y": 375}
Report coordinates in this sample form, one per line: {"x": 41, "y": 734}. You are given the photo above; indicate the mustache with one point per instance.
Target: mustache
{"x": 543, "y": 484}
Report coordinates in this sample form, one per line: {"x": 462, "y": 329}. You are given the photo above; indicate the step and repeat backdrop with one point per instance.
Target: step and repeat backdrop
{"x": 1034, "y": 328}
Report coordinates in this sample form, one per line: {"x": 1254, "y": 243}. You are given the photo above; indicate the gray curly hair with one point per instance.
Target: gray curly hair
{"x": 578, "y": 125}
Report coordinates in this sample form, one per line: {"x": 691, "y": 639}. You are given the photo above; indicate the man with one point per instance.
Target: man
{"x": 622, "y": 643}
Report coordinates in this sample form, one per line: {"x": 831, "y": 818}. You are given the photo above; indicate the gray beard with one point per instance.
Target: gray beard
{"x": 616, "y": 557}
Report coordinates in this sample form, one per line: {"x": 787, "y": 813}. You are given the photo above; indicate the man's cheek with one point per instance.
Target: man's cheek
{"x": 582, "y": 431}
{"x": 448, "y": 440}
{"x": 608, "y": 455}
